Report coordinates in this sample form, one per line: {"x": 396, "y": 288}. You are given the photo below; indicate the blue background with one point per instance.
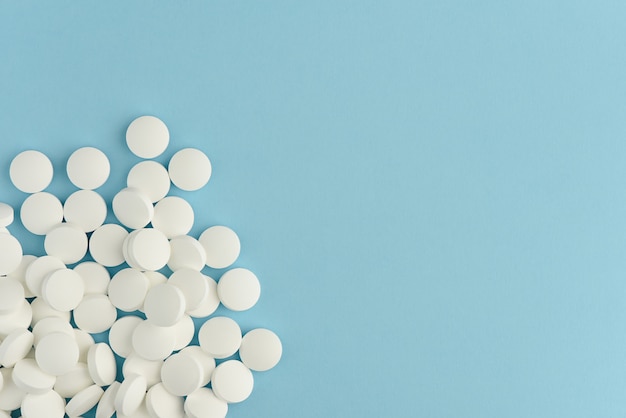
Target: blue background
{"x": 432, "y": 193}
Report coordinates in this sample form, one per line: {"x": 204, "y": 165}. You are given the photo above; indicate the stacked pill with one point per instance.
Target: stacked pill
{"x": 108, "y": 277}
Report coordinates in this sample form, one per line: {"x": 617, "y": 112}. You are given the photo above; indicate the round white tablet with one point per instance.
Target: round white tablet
{"x": 95, "y": 314}
{"x": 67, "y": 242}
{"x": 260, "y": 349}
{"x": 101, "y": 364}
{"x": 204, "y": 404}
{"x": 48, "y": 326}
{"x": 7, "y": 215}
{"x": 120, "y": 335}
{"x": 10, "y": 396}
{"x": 45, "y": 405}
{"x": 151, "y": 178}
{"x": 221, "y": 245}
{"x": 181, "y": 374}
{"x": 106, "y": 406}
{"x": 42, "y": 310}
{"x": 40, "y": 212}
{"x": 220, "y": 337}
{"x": 10, "y": 254}
{"x": 84, "y": 400}
{"x": 148, "y": 249}
{"x": 38, "y": 270}
{"x": 193, "y": 286}
{"x": 29, "y": 377}
{"x": 69, "y": 384}
{"x": 150, "y": 369}
{"x": 207, "y": 362}
{"x": 147, "y": 137}
{"x": 18, "y": 319}
{"x": 132, "y": 208}
{"x": 173, "y": 216}
{"x": 11, "y": 295}
{"x": 190, "y": 169}
{"x": 164, "y": 305}
{"x": 186, "y": 252}
{"x": 84, "y": 341}
{"x": 210, "y": 303}
{"x": 57, "y": 353}
{"x": 185, "y": 329}
{"x": 88, "y": 168}
{"x": 31, "y": 171}
{"x": 239, "y": 289}
{"x": 127, "y": 289}
{"x": 131, "y": 394}
{"x": 15, "y": 347}
{"x": 105, "y": 245}
{"x": 19, "y": 273}
{"x": 95, "y": 277}
{"x": 85, "y": 209}
{"x": 232, "y": 381}
{"x": 63, "y": 289}
{"x": 162, "y": 404}
{"x": 153, "y": 342}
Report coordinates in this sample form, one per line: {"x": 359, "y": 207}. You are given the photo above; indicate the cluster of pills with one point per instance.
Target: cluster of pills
{"x": 110, "y": 277}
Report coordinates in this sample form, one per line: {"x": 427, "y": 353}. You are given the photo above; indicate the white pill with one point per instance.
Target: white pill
{"x": 153, "y": 342}
{"x": 173, "y": 216}
{"x": 48, "y": 326}
{"x": 7, "y": 214}
{"x": 95, "y": 277}
{"x": 11, "y": 295}
{"x": 181, "y": 374}
{"x": 85, "y": 341}
{"x": 207, "y": 362}
{"x": 220, "y": 337}
{"x": 162, "y": 404}
{"x": 106, "y": 406}
{"x": 190, "y": 169}
{"x": 186, "y": 252}
{"x": 18, "y": 319}
{"x": 63, "y": 289}
{"x": 95, "y": 314}
{"x": 101, "y": 364}
{"x": 67, "y": 242}
{"x": 132, "y": 208}
{"x": 84, "y": 400}
{"x": 39, "y": 269}
{"x": 148, "y": 249}
{"x": 239, "y": 289}
{"x": 127, "y": 289}
{"x": 42, "y": 310}
{"x": 260, "y": 349}
{"x": 15, "y": 347}
{"x": 69, "y": 384}
{"x": 151, "y": 178}
{"x": 10, "y": 396}
{"x": 10, "y": 254}
{"x": 19, "y": 273}
{"x": 131, "y": 394}
{"x": 164, "y": 305}
{"x": 57, "y": 353}
{"x": 204, "y": 404}
{"x": 185, "y": 329}
{"x": 88, "y": 168}
{"x": 193, "y": 286}
{"x": 210, "y": 303}
{"x": 40, "y": 212}
{"x": 28, "y": 376}
{"x": 120, "y": 335}
{"x": 232, "y": 381}
{"x": 221, "y": 245}
{"x": 105, "y": 245}
{"x": 150, "y": 369}
{"x": 147, "y": 137}
{"x": 31, "y": 171}
{"x": 45, "y": 405}
{"x": 85, "y": 209}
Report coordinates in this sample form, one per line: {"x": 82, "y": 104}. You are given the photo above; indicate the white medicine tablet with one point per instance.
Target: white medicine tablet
{"x": 85, "y": 209}
{"x": 101, "y": 364}
{"x": 147, "y": 137}
{"x": 120, "y": 335}
{"x": 95, "y": 314}
{"x": 221, "y": 245}
{"x": 127, "y": 289}
{"x": 15, "y": 347}
{"x": 220, "y": 337}
{"x": 190, "y": 169}
{"x": 186, "y": 252}
{"x": 18, "y": 319}
{"x": 7, "y": 214}
{"x": 204, "y": 404}
{"x": 151, "y": 178}
{"x": 88, "y": 168}
{"x": 67, "y": 242}
{"x": 148, "y": 249}
{"x": 260, "y": 349}
{"x": 41, "y": 310}
{"x": 11, "y": 295}
{"x": 153, "y": 342}
{"x": 57, "y": 353}
{"x": 40, "y": 212}
{"x": 29, "y": 377}
{"x": 207, "y": 362}
{"x": 173, "y": 216}
{"x": 63, "y": 290}
{"x": 105, "y": 245}
{"x": 193, "y": 286}
{"x": 69, "y": 384}
{"x": 48, "y": 326}
{"x": 48, "y": 405}
{"x": 19, "y": 273}
{"x": 150, "y": 369}
{"x": 95, "y": 277}
{"x": 232, "y": 381}
{"x": 132, "y": 208}
{"x": 84, "y": 400}
{"x": 164, "y": 305}
{"x": 31, "y": 171}
{"x": 131, "y": 394}
{"x": 181, "y": 374}
{"x": 239, "y": 289}
{"x": 210, "y": 303}
{"x": 10, "y": 254}
{"x": 38, "y": 270}
{"x": 106, "y": 406}
{"x": 162, "y": 404}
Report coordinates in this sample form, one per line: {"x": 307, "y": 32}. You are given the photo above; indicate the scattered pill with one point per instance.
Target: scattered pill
{"x": 15, "y": 347}
{"x": 173, "y": 216}
{"x": 150, "y": 178}
{"x": 210, "y": 303}
{"x": 84, "y": 400}
{"x": 189, "y": 169}
{"x": 131, "y": 394}
{"x": 162, "y": 404}
{"x": 49, "y": 405}
{"x": 232, "y": 381}
{"x": 69, "y": 384}
{"x": 57, "y": 353}
{"x": 153, "y": 342}
{"x": 31, "y": 171}
{"x": 106, "y": 406}
{"x": 7, "y": 215}
{"x": 150, "y": 369}
{"x": 239, "y": 289}
{"x": 260, "y": 349}
{"x": 221, "y": 245}
{"x": 192, "y": 284}
{"x": 120, "y": 335}
{"x": 164, "y": 305}
{"x": 28, "y": 376}
{"x": 94, "y": 314}
{"x": 204, "y": 404}
{"x": 95, "y": 277}
{"x": 85, "y": 209}
{"x": 186, "y": 252}
{"x": 88, "y": 168}
{"x": 220, "y": 337}
{"x": 101, "y": 364}
{"x": 127, "y": 289}
{"x": 63, "y": 289}
{"x": 147, "y": 137}
{"x": 40, "y": 212}
{"x": 105, "y": 245}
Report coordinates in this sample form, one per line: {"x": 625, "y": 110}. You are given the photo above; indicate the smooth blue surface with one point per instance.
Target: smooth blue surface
{"x": 433, "y": 194}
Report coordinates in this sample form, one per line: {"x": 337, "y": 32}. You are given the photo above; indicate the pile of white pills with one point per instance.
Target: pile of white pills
{"x": 51, "y": 369}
